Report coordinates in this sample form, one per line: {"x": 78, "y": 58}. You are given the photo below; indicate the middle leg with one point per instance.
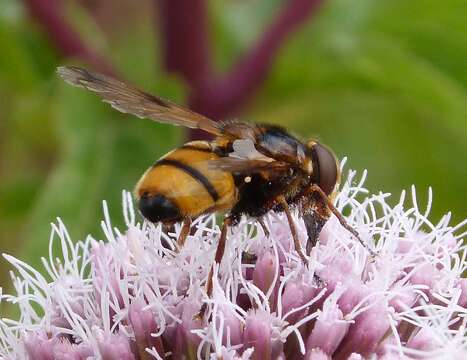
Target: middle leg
{"x": 263, "y": 226}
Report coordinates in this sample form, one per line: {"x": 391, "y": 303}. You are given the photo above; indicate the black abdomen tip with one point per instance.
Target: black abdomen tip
{"x": 157, "y": 208}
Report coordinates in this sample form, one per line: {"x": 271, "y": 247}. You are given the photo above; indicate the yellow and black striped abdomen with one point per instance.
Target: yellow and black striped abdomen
{"x": 181, "y": 184}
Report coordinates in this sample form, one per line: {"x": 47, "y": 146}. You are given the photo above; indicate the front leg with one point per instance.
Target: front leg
{"x": 317, "y": 190}
{"x": 298, "y": 247}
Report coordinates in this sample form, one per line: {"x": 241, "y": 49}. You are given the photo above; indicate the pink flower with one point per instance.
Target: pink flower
{"x": 134, "y": 296}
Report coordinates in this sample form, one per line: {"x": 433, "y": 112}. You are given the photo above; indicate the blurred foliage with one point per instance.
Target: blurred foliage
{"x": 383, "y": 82}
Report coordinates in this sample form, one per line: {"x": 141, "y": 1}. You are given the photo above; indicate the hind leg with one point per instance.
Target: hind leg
{"x": 217, "y": 259}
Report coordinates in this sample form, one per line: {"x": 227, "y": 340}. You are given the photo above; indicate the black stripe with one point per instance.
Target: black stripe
{"x": 203, "y": 180}
{"x": 193, "y": 147}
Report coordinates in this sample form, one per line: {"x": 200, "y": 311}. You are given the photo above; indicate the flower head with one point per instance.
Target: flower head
{"x": 134, "y": 295}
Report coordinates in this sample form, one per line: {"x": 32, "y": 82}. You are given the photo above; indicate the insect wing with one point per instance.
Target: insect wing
{"x": 128, "y": 99}
{"x": 247, "y": 166}
{"x": 239, "y": 130}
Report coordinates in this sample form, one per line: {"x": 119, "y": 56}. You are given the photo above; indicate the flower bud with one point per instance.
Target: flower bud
{"x": 265, "y": 271}
{"x": 422, "y": 340}
{"x": 258, "y": 334}
{"x": 463, "y": 297}
{"x": 354, "y": 293}
{"x": 424, "y": 275}
{"x": 114, "y": 346}
{"x": 39, "y": 346}
{"x": 316, "y": 354}
{"x": 329, "y": 330}
{"x": 367, "y": 331}
{"x": 144, "y": 325}
{"x": 183, "y": 341}
{"x": 233, "y": 328}
{"x": 264, "y": 274}
{"x": 296, "y": 293}
{"x": 66, "y": 351}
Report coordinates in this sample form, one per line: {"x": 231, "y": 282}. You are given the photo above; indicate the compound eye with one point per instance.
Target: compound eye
{"x": 327, "y": 168}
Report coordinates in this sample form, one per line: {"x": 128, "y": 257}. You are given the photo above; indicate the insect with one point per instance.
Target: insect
{"x": 248, "y": 169}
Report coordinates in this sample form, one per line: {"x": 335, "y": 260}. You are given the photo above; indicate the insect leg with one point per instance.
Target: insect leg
{"x": 264, "y": 227}
{"x": 217, "y": 259}
{"x": 293, "y": 229}
{"x": 186, "y": 226}
{"x": 343, "y": 222}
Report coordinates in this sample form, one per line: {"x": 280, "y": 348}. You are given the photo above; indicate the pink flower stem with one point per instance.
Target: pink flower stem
{"x": 185, "y": 39}
{"x": 187, "y": 51}
{"x": 186, "y": 42}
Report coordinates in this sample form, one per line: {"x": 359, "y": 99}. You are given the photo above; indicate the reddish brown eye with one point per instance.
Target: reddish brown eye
{"x": 326, "y": 172}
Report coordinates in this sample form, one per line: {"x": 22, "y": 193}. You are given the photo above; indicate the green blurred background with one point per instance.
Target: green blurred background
{"x": 382, "y": 82}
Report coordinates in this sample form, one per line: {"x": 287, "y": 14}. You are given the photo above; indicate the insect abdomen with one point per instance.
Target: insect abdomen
{"x": 181, "y": 184}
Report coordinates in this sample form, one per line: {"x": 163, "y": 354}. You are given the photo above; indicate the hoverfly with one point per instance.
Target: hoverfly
{"x": 248, "y": 169}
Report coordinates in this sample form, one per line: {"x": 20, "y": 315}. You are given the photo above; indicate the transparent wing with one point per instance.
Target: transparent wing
{"x": 128, "y": 99}
{"x": 247, "y": 166}
{"x": 239, "y": 130}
